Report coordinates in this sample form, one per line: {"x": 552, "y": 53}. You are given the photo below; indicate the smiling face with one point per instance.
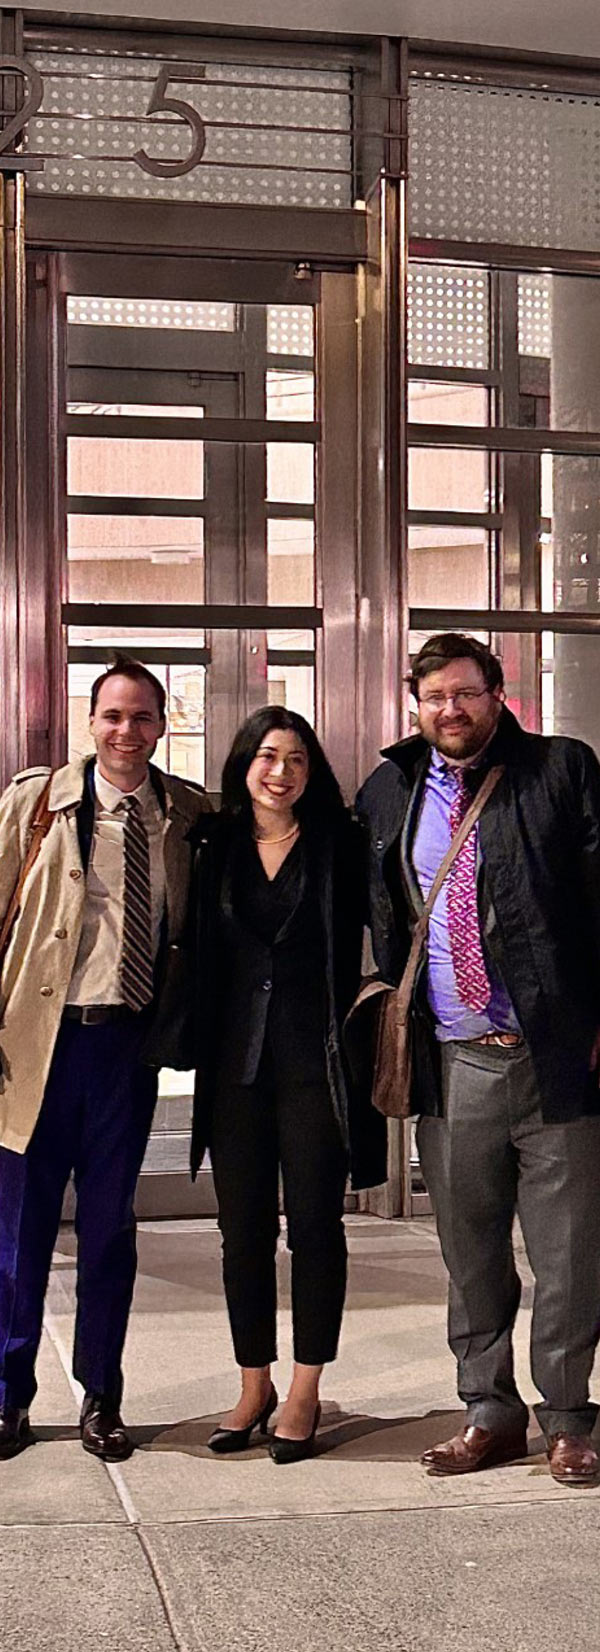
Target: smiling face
{"x": 457, "y": 713}
{"x": 278, "y": 774}
{"x": 126, "y": 727}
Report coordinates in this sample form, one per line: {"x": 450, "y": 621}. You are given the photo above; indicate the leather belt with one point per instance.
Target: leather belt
{"x": 94, "y": 1015}
{"x": 507, "y": 1040}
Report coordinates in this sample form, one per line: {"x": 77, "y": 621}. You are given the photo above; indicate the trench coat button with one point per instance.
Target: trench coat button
{"x": 60, "y": 934}
{"x": 379, "y": 843}
{"x": 267, "y": 985}
{"x": 46, "y": 992}
{"x": 75, "y": 873}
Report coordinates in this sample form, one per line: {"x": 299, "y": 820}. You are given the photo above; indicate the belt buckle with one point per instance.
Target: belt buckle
{"x": 90, "y": 1016}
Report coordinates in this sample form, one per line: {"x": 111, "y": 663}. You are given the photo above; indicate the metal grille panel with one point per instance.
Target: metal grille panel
{"x": 519, "y": 167}
{"x": 448, "y": 316}
{"x": 138, "y": 312}
{"x": 293, "y": 123}
{"x": 535, "y": 315}
{"x": 290, "y": 332}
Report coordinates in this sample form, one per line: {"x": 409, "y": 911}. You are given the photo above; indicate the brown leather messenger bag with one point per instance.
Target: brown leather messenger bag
{"x": 40, "y": 826}
{"x": 378, "y": 1028}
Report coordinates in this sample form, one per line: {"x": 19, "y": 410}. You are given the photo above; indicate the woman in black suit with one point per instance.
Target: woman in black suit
{"x": 280, "y": 908}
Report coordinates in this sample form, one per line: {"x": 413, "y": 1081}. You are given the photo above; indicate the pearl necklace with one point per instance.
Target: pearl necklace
{"x": 284, "y": 839}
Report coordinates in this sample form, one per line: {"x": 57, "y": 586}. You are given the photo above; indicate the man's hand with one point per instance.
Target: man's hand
{"x": 595, "y": 1056}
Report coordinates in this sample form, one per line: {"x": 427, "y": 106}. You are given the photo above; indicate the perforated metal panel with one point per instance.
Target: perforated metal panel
{"x": 535, "y": 315}
{"x": 138, "y": 312}
{"x": 94, "y": 118}
{"x": 290, "y": 332}
{"x": 448, "y": 316}
{"x": 504, "y": 165}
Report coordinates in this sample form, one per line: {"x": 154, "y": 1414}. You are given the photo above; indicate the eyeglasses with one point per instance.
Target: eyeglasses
{"x": 461, "y": 697}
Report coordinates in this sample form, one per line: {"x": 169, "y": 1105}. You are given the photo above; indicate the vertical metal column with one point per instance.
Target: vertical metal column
{"x": 12, "y": 427}
{"x": 383, "y": 613}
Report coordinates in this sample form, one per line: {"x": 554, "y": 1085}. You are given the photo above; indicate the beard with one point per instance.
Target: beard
{"x": 463, "y": 742}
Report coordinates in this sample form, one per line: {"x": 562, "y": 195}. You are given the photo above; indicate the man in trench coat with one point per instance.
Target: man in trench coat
{"x": 505, "y": 1018}
{"x": 93, "y": 995}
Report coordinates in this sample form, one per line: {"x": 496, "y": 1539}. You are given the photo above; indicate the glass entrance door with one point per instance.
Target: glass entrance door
{"x": 190, "y": 454}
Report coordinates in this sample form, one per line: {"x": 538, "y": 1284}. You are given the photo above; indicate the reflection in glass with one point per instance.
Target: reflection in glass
{"x": 290, "y": 473}
{"x": 431, "y": 402}
{"x": 290, "y": 563}
{"x": 134, "y": 410}
{"x": 293, "y": 686}
{"x": 125, "y": 466}
{"x": 290, "y": 395}
{"x": 135, "y": 558}
{"x": 448, "y": 479}
{"x": 448, "y": 567}
{"x": 182, "y": 749}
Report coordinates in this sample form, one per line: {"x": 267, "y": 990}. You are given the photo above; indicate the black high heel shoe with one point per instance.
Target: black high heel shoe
{"x": 294, "y": 1451}
{"x": 238, "y": 1439}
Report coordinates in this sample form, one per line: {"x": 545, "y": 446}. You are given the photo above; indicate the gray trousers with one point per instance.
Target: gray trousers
{"x": 491, "y": 1155}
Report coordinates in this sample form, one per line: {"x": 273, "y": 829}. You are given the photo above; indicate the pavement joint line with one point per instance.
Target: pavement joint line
{"x": 248, "y": 1519}
{"x": 179, "y": 1642}
{"x": 122, "y": 1492}
{"x": 113, "y": 1471}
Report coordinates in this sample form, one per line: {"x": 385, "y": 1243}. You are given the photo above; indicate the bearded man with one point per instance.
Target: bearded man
{"x": 506, "y": 1018}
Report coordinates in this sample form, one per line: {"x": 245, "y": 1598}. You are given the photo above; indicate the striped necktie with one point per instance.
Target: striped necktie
{"x": 136, "y": 972}
{"x": 466, "y": 950}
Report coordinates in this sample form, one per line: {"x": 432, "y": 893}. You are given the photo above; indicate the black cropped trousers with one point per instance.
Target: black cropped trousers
{"x": 284, "y": 1120}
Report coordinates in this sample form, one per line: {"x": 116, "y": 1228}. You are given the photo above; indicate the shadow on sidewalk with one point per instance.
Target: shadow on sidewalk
{"x": 351, "y": 1436}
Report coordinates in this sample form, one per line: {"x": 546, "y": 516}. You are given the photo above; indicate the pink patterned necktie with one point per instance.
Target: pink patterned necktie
{"x": 463, "y": 919}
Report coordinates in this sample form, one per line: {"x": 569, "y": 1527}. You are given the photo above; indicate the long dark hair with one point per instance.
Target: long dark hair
{"x": 321, "y": 803}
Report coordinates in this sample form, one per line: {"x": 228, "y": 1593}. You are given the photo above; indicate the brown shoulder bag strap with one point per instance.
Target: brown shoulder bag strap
{"x": 405, "y": 989}
{"x": 41, "y": 822}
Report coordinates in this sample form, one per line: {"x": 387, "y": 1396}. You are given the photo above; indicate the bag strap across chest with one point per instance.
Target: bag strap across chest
{"x": 419, "y": 937}
{"x": 41, "y": 822}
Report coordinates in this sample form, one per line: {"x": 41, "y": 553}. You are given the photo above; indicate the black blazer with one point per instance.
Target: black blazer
{"x": 539, "y": 901}
{"x": 335, "y": 860}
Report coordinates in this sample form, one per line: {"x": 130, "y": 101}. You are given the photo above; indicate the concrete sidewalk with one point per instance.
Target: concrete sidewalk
{"x": 355, "y": 1550}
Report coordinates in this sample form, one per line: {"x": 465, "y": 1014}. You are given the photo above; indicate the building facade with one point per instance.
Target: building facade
{"x": 299, "y": 362}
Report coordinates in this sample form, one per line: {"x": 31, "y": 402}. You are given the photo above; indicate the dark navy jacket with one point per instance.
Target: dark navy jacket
{"x": 539, "y": 901}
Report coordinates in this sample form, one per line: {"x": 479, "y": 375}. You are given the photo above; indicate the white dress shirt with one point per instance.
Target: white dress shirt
{"x": 95, "y": 978}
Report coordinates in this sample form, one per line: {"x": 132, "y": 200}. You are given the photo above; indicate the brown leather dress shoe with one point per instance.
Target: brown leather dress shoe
{"x": 103, "y": 1431}
{"x": 573, "y": 1460}
{"x": 15, "y": 1432}
{"x": 474, "y": 1448}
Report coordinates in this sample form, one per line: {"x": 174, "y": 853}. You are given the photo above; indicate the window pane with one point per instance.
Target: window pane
{"x": 570, "y": 542}
{"x": 448, "y": 479}
{"x": 431, "y": 402}
{"x": 448, "y": 316}
{"x": 119, "y": 465}
{"x": 448, "y": 567}
{"x": 290, "y": 395}
{"x": 290, "y": 473}
{"x": 182, "y": 749}
{"x": 293, "y": 686}
{"x": 141, "y": 312}
{"x": 290, "y": 330}
{"x": 291, "y": 563}
{"x": 135, "y": 558}
{"x": 133, "y": 410}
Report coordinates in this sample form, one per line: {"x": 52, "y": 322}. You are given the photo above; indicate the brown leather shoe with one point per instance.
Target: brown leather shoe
{"x": 474, "y": 1448}
{"x": 573, "y": 1460}
{"x": 103, "y": 1431}
{"x": 15, "y": 1432}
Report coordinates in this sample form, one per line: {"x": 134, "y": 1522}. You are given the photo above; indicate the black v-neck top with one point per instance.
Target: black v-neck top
{"x": 264, "y": 905}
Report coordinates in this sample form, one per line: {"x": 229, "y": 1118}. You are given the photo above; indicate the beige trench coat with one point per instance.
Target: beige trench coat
{"x": 43, "y": 946}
